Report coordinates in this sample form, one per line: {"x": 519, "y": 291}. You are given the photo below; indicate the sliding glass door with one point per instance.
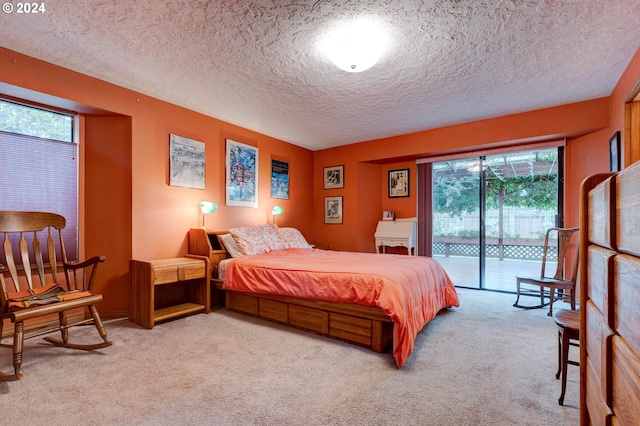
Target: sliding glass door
{"x": 490, "y": 214}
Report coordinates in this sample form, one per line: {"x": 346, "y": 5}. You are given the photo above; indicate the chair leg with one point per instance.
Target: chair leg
{"x": 18, "y": 340}
{"x": 517, "y": 293}
{"x": 559, "y": 354}
{"x": 89, "y": 347}
{"x": 64, "y": 330}
{"x": 565, "y": 362}
{"x": 98, "y": 323}
{"x": 552, "y": 295}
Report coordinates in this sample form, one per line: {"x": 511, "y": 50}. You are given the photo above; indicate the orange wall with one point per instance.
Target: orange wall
{"x": 630, "y": 80}
{"x": 128, "y": 209}
{"x": 584, "y": 118}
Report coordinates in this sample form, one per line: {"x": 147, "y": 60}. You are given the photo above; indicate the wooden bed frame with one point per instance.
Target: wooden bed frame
{"x": 366, "y": 326}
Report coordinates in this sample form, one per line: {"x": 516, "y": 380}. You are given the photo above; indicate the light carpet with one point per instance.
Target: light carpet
{"x": 484, "y": 363}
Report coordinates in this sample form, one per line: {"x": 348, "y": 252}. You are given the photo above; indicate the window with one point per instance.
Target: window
{"x": 38, "y": 164}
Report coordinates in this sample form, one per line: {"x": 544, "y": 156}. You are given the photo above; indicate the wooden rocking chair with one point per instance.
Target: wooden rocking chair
{"x": 31, "y": 281}
{"x": 558, "y": 281}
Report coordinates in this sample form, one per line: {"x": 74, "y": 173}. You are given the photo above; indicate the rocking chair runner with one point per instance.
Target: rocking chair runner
{"x": 31, "y": 282}
{"x": 558, "y": 281}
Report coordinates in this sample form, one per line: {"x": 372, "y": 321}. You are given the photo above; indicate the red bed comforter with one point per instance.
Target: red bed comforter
{"x": 410, "y": 289}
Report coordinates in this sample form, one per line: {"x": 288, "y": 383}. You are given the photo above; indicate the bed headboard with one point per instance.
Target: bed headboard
{"x": 205, "y": 242}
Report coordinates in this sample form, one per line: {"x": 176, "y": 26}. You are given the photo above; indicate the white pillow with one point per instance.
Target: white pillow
{"x": 292, "y": 238}
{"x": 230, "y": 245}
{"x": 257, "y": 239}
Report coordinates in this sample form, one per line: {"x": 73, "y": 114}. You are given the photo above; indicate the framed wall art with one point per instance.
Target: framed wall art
{"x": 279, "y": 179}
{"x": 241, "y": 163}
{"x": 388, "y": 215}
{"x": 614, "y": 152}
{"x": 333, "y": 210}
{"x": 186, "y": 162}
{"x": 398, "y": 183}
{"x": 333, "y": 177}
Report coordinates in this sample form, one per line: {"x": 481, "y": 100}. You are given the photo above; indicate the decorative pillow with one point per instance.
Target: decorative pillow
{"x": 292, "y": 238}
{"x": 257, "y": 239}
{"x": 272, "y": 239}
{"x": 249, "y": 239}
{"x": 230, "y": 244}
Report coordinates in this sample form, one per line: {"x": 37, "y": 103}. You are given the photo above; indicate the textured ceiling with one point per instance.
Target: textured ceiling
{"x": 260, "y": 64}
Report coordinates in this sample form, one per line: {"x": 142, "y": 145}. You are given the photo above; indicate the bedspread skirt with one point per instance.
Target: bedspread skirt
{"x": 410, "y": 289}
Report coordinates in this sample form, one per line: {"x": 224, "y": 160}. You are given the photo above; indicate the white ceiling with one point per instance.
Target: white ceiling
{"x": 260, "y": 64}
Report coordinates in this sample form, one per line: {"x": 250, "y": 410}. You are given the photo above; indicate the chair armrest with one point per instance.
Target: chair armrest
{"x": 78, "y": 265}
{"x": 80, "y": 281}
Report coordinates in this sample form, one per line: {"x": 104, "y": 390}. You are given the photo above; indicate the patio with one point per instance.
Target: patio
{"x": 500, "y": 275}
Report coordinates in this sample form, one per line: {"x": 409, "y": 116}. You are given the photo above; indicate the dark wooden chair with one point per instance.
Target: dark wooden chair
{"x": 37, "y": 281}
{"x": 558, "y": 281}
{"x": 568, "y": 323}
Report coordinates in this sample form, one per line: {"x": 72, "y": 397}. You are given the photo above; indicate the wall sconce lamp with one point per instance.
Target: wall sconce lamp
{"x": 207, "y": 207}
{"x": 276, "y": 211}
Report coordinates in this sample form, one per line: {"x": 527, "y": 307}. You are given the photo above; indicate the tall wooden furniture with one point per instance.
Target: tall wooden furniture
{"x": 32, "y": 267}
{"x": 558, "y": 280}
{"x": 568, "y": 323}
{"x": 397, "y": 233}
{"x": 168, "y": 288}
{"x": 610, "y": 298}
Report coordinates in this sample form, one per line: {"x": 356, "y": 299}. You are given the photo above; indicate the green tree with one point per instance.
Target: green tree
{"x": 24, "y": 120}
{"x": 456, "y": 195}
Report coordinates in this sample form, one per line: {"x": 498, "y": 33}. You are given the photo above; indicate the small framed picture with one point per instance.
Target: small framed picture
{"x": 333, "y": 177}
{"x": 388, "y": 215}
{"x": 279, "y": 179}
{"x": 614, "y": 152}
{"x": 398, "y": 183}
{"x": 333, "y": 210}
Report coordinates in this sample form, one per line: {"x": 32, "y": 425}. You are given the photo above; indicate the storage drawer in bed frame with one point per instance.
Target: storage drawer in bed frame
{"x": 364, "y": 326}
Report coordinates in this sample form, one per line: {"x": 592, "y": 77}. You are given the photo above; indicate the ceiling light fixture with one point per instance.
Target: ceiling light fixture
{"x": 357, "y": 46}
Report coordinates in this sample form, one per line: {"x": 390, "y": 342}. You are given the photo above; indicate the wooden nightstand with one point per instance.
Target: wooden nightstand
{"x": 168, "y": 288}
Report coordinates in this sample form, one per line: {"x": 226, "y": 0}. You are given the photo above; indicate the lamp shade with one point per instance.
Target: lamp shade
{"x": 277, "y": 211}
{"x": 208, "y": 207}
{"x": 356, "y": 47}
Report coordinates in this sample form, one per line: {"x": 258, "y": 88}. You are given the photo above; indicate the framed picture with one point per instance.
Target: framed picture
{"x": 388, "y": 215}
{"x": 279, "y": 179}
{"x": 398, "y": 183}
{"x": 614, "y": 152}
{"x": 334, "y": 177}
{"x": 186, "y": 162}
{"x": 333, "y": 210}
{"x": 241, "y": 163}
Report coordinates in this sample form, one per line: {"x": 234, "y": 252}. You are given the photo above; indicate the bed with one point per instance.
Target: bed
{"x": 379, "y": 301}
